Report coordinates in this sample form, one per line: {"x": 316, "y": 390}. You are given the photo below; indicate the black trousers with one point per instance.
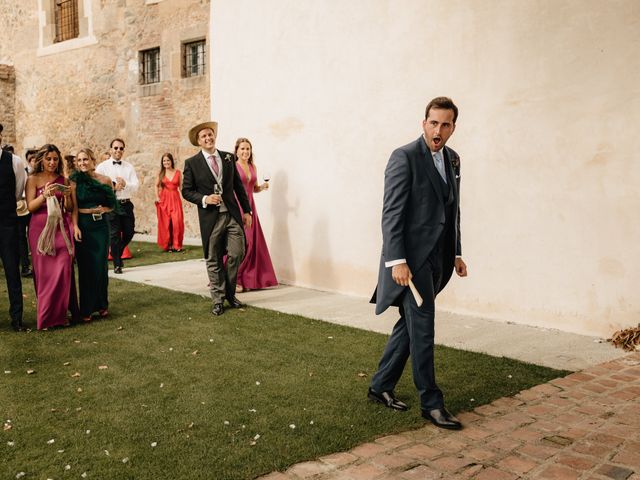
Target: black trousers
{"x": 414, "y": 334}
{"x": 23, "y": 242}
{"x": 10, "y": 262}
{"x": 121, "y": 227}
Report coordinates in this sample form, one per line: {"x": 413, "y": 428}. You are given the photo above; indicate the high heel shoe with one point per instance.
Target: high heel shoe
{"x": 103, "y": 313}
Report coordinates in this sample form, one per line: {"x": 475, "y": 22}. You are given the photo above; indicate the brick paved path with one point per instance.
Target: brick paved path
{"x": 583, "y": 426}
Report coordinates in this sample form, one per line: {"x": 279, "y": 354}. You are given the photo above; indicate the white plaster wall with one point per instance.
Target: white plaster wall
{"x": 549, "y": 98}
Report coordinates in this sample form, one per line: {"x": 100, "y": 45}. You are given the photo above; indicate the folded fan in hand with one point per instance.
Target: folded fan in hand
{"x": 416, "y": 295}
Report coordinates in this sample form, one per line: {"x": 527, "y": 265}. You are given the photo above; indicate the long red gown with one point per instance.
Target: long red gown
{"x": 256, "y": 270}
{"x": 170, "y": 215}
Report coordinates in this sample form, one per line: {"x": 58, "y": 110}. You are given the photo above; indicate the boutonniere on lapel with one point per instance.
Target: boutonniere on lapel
{"x": 228, "y": 157}
{"x": 455, "y": 163}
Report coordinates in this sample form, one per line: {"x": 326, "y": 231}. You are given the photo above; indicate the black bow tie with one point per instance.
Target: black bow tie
{"x": 117, "y": 162}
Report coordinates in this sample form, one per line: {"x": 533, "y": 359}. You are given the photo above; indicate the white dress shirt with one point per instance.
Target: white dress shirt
{"x": 21, "y": 176}
{"x": 124, "y": 170}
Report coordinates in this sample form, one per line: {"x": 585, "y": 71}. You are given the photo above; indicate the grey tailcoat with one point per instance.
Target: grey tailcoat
{"x": 413, "y": 217}
{"x": 199, "y": 181}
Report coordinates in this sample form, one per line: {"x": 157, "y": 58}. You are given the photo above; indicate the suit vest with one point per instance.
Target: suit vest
{"x": 447, "y": 239}
{"x": 8, "y": 214}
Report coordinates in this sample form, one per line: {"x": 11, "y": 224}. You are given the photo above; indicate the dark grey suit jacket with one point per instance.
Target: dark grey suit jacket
{"x": 413, "y": 217}
{"x": 198, "y": 181}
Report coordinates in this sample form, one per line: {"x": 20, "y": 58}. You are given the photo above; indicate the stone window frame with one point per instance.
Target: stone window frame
{"x": 201, "y": 65}
{"x": 47, "y": 44}
{"x": 146, "y": 60}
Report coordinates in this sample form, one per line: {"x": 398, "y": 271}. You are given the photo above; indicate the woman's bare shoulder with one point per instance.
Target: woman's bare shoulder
{"x": 34, "y": 179}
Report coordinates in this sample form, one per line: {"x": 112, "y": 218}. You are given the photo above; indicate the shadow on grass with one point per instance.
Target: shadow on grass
{"x": 162, "y": 389}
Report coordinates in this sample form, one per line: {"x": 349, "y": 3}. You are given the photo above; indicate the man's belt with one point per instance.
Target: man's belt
{"x": 124, "y": 200}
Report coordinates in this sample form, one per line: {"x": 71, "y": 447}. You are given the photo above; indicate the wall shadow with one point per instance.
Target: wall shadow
{"x": 281, "y": 209}
{"x": 321, "y": 272}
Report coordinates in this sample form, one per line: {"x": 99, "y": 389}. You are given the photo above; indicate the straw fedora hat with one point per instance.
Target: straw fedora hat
{"x": 193, "y": 133}
{"x": 21, "y": 208}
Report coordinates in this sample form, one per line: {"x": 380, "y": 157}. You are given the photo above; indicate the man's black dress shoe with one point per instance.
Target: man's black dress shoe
{"x": 234, "y": 302}
{"x": 117, "y": 269}
{"x": 217, "y": 309}
{"x": 17, "y": 326}
{"x": 27, "y": 272}
{"x": 440, "y": 417}
{"x": 388, "y": 399}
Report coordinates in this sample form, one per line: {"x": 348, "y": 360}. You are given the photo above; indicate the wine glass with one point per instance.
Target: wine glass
{"x": 266, "y": 176}
{"x": 217, "y": 190}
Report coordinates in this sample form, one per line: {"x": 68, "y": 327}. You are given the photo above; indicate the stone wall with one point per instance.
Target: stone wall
{"x": 86, "y": 91}
{"x": 7, "y": 103}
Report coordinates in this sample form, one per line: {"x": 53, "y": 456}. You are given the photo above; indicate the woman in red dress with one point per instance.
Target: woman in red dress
{"x": 256, "y": 270}
{"x": 169, "y": 206}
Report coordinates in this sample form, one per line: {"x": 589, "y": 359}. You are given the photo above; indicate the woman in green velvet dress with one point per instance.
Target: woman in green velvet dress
{"x": 93, "y": 194}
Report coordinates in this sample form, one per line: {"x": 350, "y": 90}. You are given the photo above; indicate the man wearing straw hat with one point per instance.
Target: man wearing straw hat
{"x": 420, "y": 248}
{"x": 210, "y": 181}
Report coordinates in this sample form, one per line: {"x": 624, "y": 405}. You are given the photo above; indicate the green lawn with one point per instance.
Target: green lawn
{"x": 146, "y": 253}
{"x": 163, "y": 390}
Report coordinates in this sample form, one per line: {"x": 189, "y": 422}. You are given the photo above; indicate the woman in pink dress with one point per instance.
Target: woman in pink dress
{"x": 51, "y": 239}
{"x": 169, "y": 206}
{"x": 256, "y": 270}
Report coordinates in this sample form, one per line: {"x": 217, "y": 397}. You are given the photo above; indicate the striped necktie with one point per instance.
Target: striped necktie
{"x": 214, "y": 165}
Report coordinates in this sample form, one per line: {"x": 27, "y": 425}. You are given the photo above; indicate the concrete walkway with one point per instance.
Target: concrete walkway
{"x": 551, "y": 348}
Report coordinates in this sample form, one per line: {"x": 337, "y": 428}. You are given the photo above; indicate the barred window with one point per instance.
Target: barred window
{"x": 193, "y": 58}
{"x": 66, "y": 17}
{"x": 150, "y": 66}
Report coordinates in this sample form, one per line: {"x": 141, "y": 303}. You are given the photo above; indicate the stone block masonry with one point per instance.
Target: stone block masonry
{"x": 86, "y": 96}
{"x": 7, "y": 103}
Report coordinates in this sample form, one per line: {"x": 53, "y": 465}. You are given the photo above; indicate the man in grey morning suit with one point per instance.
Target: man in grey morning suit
{"x": 420, "y": 243}
{"x": 210, "y": 181}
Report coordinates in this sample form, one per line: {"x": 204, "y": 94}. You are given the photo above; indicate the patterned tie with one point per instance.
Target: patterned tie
{"x": 440, "y": 165}
{"x": 214, "y": 165}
